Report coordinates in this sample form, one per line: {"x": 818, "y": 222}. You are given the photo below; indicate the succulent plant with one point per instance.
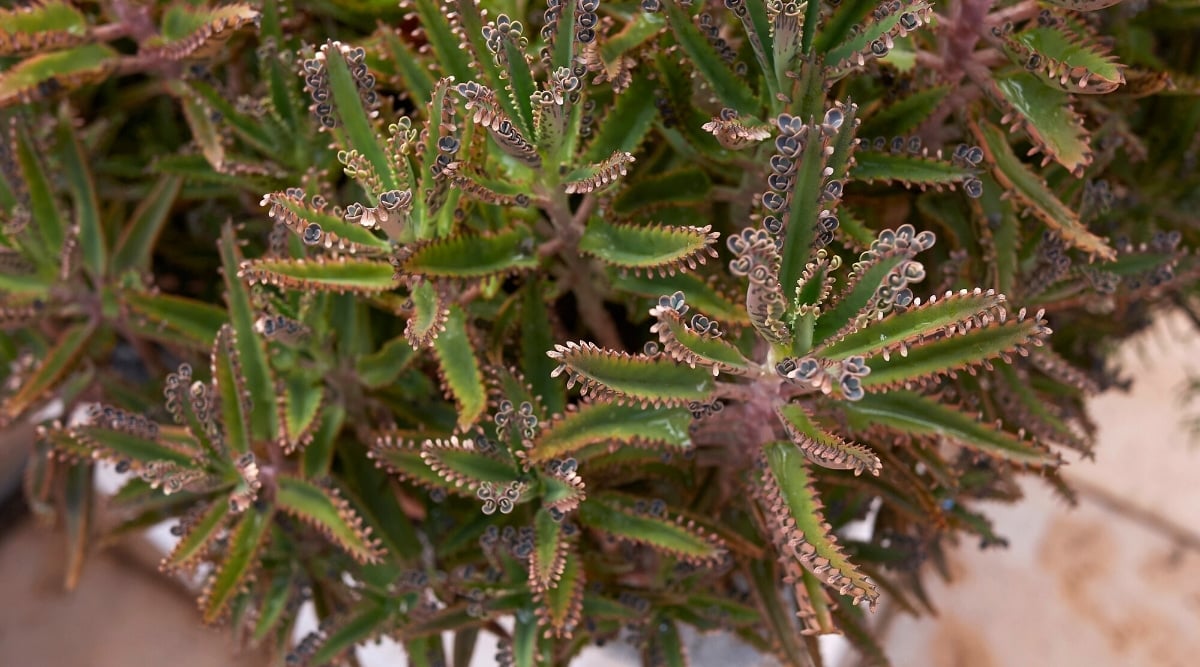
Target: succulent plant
{"x": 605, "y": 318}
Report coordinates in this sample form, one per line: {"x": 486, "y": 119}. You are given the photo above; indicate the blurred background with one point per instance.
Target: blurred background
{"x": 1112, "y": 582}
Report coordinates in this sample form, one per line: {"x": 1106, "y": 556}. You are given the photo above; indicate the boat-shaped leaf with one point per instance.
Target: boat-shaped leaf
{"x": 1032, "y": 190}
{"x": 626, "y": 378}
{"x": 959, "y": 349}
{"x": 251, "y": 351}
{"x": 198, "y": 537}
{"x": 190, "y": 32}
{"x": 953, "y": 310}
{"x": 460, "y": 369}
{"x": 327, "y": 511}
{"x": 793, "y": 506}
{"x": 912, "y": 414}
{"x": 1048, "y": 119}
{"x": 908, "y": 170}
{"x": 559, "y": 608}
{"x": 594, "y": 423}
{"x": 470, "y": 256}
{"x": 41, "y": 26}
{"x": 342, "y": 274}
{"x": 46, "y": 74}
{"x": 54, "y": 366}
{"x": 677, "y": 537}
{"x": 824, "y": 448}
{"x": 246, "y": 539}
{"x": 1065, "y": 60}
{"x": 653, "y": 249}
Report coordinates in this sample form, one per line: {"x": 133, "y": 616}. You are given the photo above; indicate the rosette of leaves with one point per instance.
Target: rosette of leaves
{"x": 246, "y": 507}
{"x": 821, "y": 361}
{"x": 61, "y": 48}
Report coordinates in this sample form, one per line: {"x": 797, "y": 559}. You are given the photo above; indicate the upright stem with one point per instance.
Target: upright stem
{"x": 580, "y": 273}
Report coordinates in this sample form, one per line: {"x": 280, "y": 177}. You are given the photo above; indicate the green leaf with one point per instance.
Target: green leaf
{"x": 1031, "y": 189}
{"x": 562, "y": 53}
{"x": 83, "y": 193}
{"x": 54, "y": 366}
{"x": 875, "y": 166}
{"x": 298, "y": 215}
{"x": 118, "y": 445}
{"x": 840, "y": 25}
{"x": 326, "y": 510}
{"x": 143, "y": 228}
{"x": 197, "y": 32}
{"x": 251, "y": 351}
{"x": 404, "y": 460}
{"x": 666, "y": 644}
{"x": 318, "y": 455}
{"x": 805, "y": 205}
{"x": 905, "y": 115}
{"x": 765, "y": 583}
{"x": 549, "y": 551}
{"x": 199, "y": 536}
{"x": 1049, "y": 120}
{"x": 46, "y": 25}
{"x": 536, "y": 338}
{"x": 912, "y": 325}
{"x": 274, "y": 604}
{"x": 459, "y": 463}
{"x": 383, "y": 366}
{"x": 701, "y": 294}
{"x": 342, "y": 274}
{"x": 172, "y": 319}
{"x": 860, "y": 42}
{"x": 953, "y": 352}
{"x": 789, "y": 492}
{"x": 686, "y": 345}
{"x": 245, "y": 541}
{"x": 77, "y": 520}
{"x": 417, "y": 81}
{"x": 617, "y": 517}
{"x": 648, "y": 248}
{"x": 1065, "y": 60}
{"x": 729, "y": 88}
{"x": 630, "y": 378}
{"x": 460, "y": 369}
{"x": 912, "y": 414}
{"x": 46, "y": 74}
{"x": 824, "y": 448}
{"x": 252, "y": 130}
{"x": 200, "y": 121}
{"x": 364, "y": 622}
{"x": 850, "y": 303}
{"x": 454, "y": 60}
{"x": 231, "y": 391}
{"x": 360, "y": 133}
{"x": 680, "y": 187}
{"x": 302, "y": 401}
{"x": 594, "y": 423}
{"x": 48, "y": 221}
{"x": 525, "y": 629}
{"x": 560, "y": 607}
{"x": 471, "y": 256}
{"x": 625, "y": 125}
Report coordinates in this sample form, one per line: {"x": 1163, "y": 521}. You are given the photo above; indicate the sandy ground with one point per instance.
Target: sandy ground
{"x": 1114, "y": 582}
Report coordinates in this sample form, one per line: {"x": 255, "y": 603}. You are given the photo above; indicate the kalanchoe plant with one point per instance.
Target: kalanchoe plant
{"x": 474, "y": 361}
